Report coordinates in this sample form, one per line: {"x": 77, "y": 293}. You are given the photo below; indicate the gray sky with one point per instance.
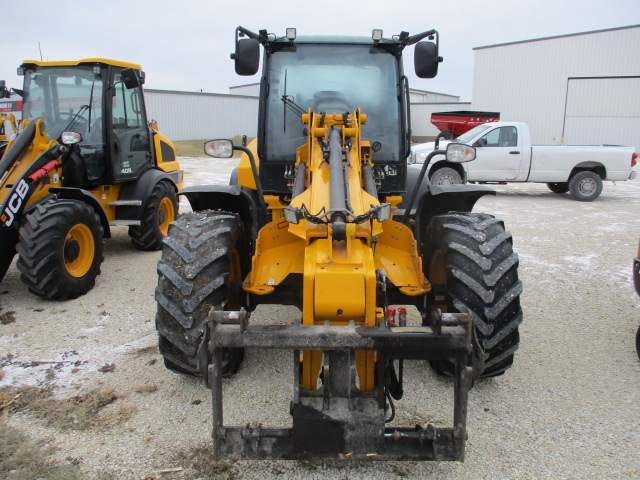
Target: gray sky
{"x": 185, "y": 45}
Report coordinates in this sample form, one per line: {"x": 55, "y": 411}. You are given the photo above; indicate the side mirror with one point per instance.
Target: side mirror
{"x": 4, "y": 91}
{"x": 130, "y": 78}
{"x": 426, "y": 59}
{"x": 460, "y": 153}
{"x": 247, "y": 56}
{"x": 481, "y": 142}
{"x": 219, "y": 148}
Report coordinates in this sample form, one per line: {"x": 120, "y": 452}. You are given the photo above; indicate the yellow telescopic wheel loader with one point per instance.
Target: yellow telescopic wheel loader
{"x": 323, "y": 215}
{"x": 85, "y": 159}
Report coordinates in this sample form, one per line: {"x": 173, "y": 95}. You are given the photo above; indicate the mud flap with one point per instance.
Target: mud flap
{"x": 337, "y": 421}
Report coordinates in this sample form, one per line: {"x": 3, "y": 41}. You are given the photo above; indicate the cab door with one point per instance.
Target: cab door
{"x": 130, "y": 143}
{"x": 498, "y": 156}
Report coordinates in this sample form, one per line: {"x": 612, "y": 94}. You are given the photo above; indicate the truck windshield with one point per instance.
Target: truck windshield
{"x": 467, "y": 137}
{"x": 332, "y": 79}
{"x": 57, "y": 94}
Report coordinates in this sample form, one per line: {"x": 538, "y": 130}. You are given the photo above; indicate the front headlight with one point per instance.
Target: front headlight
{"x": 460, "y": 153}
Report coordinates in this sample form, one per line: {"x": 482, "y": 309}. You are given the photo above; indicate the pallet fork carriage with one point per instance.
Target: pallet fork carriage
{"x": 338, "y": 421}
{"x": 312, "y": 219}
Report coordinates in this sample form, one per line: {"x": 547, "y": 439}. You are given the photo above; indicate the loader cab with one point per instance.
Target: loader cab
{"x": 103, "y": 102}
{"x": 332, "y": 75}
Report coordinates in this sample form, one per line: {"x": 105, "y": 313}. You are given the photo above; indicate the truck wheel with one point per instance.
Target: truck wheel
{"x": 161, "y": 209}
{"x": 469, "y": 260}
{"x": 60, "y": 249}
{"x": 585, "y": 186}
{"x": 562, "y": 187}
{"x": 199, "y": 261}
{"x": 445, "y": 176}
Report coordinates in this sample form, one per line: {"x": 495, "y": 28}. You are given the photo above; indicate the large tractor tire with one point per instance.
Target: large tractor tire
{"x": 60, "y": 249}
{"x": 160, "y": 210}
{"x": 469, "y": 260}
{"x": 200, "y": 259}
{"x": 8, "y": 241}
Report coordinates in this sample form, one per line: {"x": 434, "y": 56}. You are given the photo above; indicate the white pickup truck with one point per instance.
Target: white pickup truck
{"x": 504, "y": 154}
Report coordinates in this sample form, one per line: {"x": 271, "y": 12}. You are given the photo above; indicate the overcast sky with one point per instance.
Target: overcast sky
{"x": 185, "y": 45}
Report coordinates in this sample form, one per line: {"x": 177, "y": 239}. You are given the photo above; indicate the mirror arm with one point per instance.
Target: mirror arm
{"x": 414, "y": 194}
{"x": 419, "y": 36}
{"x": 256, "y": 176}
{"x": 248, "y": 33}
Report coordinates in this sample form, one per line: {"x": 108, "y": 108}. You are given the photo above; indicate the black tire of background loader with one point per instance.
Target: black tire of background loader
{"x": 8, "y": 241}
{"x": 148, "y": 236}
{"x": 562, "y": 187}
{"x": 481, "y": 274}
{"x": 585, "y": 186}
{"x": 43, "y": 240}
{"x": 193, "y": 276}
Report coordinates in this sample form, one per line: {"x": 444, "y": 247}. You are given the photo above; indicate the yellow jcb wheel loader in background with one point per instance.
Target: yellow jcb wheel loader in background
{"x": 86, "y": 159}
{"x": 8, "y": 126}
{"x": 321, "y": 215}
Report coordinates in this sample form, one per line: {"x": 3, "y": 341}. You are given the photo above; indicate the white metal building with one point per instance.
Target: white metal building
{"x": 578, "y": 88}
{"x": 197, "y": 116}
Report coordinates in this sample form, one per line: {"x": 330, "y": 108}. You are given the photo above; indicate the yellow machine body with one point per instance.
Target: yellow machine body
{"x": 334, "y": 269}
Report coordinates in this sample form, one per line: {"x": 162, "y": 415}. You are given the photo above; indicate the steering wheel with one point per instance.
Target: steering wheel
{"x": 328, "y": 99}
{"x": 70, "y": 115}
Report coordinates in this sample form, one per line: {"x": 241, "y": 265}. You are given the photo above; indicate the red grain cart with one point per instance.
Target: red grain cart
{"x": 461, "y": 121}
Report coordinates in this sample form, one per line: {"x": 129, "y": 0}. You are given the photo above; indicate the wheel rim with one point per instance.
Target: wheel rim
{"x": 587, "y": 186}
{"x": 166, "y": 215}
{"x": 446, "y": 179}
{"x": 79, "y": 250}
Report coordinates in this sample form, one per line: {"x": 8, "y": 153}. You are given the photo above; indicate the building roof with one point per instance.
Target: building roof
{"x": 557, "y": 36}
{"x": 417, "y": 90}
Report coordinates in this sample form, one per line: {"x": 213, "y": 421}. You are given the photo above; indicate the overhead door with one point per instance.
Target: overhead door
{"x": 603, "y": 110}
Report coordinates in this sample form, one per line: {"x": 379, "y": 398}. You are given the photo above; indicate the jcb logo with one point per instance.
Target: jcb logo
{"x": 15, "y": 203}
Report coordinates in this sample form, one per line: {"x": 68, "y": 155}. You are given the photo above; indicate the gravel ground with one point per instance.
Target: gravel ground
{"x": 569, "y": 408}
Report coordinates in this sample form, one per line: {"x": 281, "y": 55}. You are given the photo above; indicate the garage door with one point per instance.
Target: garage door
{"x": 603, "y": 110}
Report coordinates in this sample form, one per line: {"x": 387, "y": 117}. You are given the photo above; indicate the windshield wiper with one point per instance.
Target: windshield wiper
{"x": 76, "y": 118}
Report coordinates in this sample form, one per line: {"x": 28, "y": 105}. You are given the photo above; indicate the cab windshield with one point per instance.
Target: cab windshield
{"x": 58, "y": 94}
{"x": 332, "y": 79}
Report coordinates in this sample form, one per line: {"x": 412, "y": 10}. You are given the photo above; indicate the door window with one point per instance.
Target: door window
{"x": 130, "y": 140}
{"x": 502, "y": 137}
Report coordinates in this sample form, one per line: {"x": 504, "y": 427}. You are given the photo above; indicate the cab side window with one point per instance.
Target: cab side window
{"x": 131, "y": 146}
{"x": 502, "y": 137}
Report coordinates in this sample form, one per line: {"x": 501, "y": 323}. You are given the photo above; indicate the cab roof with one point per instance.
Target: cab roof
{"x": 86, "y": 61}
{"x": 335, "y": 39}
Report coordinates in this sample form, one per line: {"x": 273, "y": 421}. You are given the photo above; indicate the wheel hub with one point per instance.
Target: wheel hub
{"x": 587, "y": 187}
{"x": 71, "y": 250}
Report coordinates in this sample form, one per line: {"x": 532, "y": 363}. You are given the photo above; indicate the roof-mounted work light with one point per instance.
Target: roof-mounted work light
{"x": 291, "y": 34}
{"x": 376, "y": 35}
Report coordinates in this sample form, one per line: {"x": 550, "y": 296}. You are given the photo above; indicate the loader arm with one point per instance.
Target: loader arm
{"x": 338, "y": 239}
